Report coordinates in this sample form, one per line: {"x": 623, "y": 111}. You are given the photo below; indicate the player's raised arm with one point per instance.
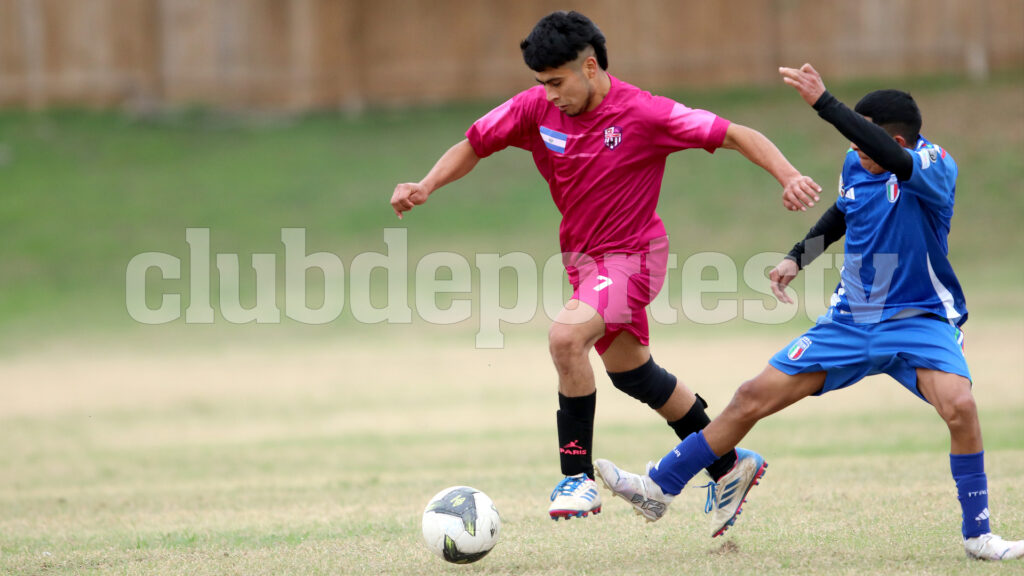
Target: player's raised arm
{"x": 798, "y": 191}
{"x": 872, "y": 139}
{"x": 454, "y": 164}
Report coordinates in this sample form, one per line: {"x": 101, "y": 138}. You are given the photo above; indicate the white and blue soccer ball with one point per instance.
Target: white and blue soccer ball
{"x": 461, "y": 524}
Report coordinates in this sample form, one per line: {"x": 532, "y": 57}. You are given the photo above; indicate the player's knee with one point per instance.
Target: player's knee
{"x": 746, "y": 403}
{"x": 649, "y": 383}
{"x": 565, "y": 344}
{"x": 960, "y": 409}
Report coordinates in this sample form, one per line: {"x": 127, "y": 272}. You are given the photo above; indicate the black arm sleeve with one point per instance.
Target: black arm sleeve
{"x": 829, "y": 228}
{"x": 872, "y": 139}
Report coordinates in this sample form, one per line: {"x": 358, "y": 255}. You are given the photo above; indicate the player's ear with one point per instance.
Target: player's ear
{"x": 900, "y": 140}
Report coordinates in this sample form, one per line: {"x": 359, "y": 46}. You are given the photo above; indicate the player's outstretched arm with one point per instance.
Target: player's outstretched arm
{"x": 454, "y": 164}
{"x": 798, "y": 191}
{"x": 828, "y": 229}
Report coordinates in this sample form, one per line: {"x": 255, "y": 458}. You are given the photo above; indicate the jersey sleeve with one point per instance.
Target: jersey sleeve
{"x": 507, "y": 125}
{"x": 689, "y": 127}
{"x": 934, "y": 177}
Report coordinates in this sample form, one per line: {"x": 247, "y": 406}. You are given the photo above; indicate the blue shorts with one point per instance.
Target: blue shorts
{"x": 851, "y": 352}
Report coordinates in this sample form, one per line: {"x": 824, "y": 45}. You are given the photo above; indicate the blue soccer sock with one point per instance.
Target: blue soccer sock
{"x": 673, "y": 471}
{"x": 972, "y": 491}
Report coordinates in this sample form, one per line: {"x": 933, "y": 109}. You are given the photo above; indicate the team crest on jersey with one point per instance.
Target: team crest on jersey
{"x": 612, "y": 137}
{"x": 845, "y": 192}
{"x": 798, "y": 349}
{"x": 892, "y": 189}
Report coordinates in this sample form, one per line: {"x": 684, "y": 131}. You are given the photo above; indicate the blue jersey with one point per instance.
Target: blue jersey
{"x": 896, "y": 261}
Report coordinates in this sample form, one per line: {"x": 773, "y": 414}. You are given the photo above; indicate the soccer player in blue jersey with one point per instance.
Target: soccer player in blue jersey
{"x": 897, "y": 309}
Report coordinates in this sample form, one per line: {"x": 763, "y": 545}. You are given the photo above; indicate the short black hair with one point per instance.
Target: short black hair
{"x": 894, "y": 110}
{"x": 559, "y": 38}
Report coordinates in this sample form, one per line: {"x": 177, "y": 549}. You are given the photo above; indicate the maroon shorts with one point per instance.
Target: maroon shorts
{"x": 620, "y": 287}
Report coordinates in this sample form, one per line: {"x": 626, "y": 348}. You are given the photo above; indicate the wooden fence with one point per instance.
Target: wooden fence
{"x": 303, "y": 54}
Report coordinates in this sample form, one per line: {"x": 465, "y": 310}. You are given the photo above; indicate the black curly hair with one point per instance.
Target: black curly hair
{"x": 559, "y": 38}
{"x": 894, "y": 110}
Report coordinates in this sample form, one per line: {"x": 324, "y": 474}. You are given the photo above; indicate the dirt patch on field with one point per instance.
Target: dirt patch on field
{"x": 372, "y": 373}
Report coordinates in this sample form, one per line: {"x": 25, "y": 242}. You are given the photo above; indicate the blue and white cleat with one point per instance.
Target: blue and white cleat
{"x": 575, "y": 497}
{"x": 726, "y": 497}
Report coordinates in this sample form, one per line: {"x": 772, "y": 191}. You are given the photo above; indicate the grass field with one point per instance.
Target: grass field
{"x": 319, "y": 459}
{"x": 297, "y": 449}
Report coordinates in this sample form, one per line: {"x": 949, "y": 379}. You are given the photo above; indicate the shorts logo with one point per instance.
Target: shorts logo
{"x": 892, "y": 190}
{"x": 798, "y": 349}
{"x": 612, "y": 137}
{"x": 960, "y": 339}
{"x": 604, "y": 283}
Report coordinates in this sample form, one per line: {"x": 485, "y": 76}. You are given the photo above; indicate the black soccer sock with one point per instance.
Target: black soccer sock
{"x": 576, "y": 433}
{"x": 694, "y": 421}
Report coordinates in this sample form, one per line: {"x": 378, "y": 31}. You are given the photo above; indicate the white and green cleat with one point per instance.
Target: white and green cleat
{"x": 992, "y": 547}
{"x": 641, "y": 492}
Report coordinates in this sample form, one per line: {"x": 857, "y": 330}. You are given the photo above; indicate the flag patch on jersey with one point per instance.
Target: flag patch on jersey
{"x": 892, "y": 189}
{"x": 612, "y": 137}
{"x": 555, "y": 141}
{"x": 798, "y": 349}
{"x": 930, "y": 154}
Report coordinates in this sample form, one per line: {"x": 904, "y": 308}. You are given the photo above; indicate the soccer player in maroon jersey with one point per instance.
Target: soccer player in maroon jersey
{"x": 601, "y": 144}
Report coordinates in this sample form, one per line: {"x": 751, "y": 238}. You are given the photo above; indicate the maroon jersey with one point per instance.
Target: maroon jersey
{"x": 604, "y": 167}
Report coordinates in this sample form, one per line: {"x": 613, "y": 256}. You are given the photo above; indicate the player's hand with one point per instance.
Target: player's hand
{"x": 800, "y": 193}
{"x": 806, "y": 80}
{"x": 407, "y": 195}
{"x": 780, "y": 277}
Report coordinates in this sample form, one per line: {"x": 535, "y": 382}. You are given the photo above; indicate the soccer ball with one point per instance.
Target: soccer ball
{"x": 461, "y": 524}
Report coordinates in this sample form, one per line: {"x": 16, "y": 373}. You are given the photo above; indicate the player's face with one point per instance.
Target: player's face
{"x": 867, "y": 163}
{"x": 570, "y": 87}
